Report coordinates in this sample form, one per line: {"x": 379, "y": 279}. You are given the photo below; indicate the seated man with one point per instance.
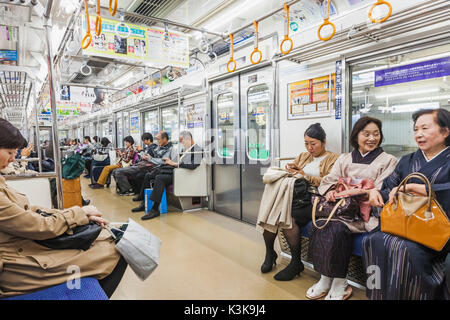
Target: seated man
{"x": 162, "y": 151}
{"x": 190, "y": 159}
{"x": 124, "y": 175}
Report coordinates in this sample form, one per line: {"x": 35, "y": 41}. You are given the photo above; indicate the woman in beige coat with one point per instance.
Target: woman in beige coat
{"x": 26, "y": 266}
{"x": 311, "y": 165}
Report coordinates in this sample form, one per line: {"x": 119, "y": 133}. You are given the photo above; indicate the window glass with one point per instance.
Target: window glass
{"x": 193, "y": 120}
{"x": 225, "y": 127}
{"x": 170, "y": 123}
{"x": 392, "y": 89}
{"x": 151, "y": 124}
{"x": 258, "y": 113}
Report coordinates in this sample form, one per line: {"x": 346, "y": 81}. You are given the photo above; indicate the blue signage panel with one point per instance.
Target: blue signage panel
{"x": 413, "y": 72}
{"x": 8, "y": 55}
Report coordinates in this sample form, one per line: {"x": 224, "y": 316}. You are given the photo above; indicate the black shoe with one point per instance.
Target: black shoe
{"x": 269, "y": 262}
{"x": 85, "y": 202}
{"x": 152, "y": 214}
{"x": 290, "y": 271}
{"x": 139, "y": 209}
{"x": 96, "y": 186}
{"x": 126, "y": 193}
{"x": 138, "y": 198}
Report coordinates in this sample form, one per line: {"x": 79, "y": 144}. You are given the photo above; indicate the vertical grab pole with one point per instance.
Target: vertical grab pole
{"x": 38, "y": 138}
{"x": 52, "y": 87}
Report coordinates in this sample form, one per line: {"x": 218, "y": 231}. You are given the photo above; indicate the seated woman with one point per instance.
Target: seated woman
{"x": 125, "y": 160}
{"x": 28, "y": 266}
{"x": 421, "y": 275}
{"x": 312, "y": 165}
{"x": 86, "y": 152}
{"x": 331, "y": 247}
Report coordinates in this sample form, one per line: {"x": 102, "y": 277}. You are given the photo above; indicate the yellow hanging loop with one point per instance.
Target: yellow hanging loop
{"x": 255, "y": 23}
{"x": 232, "y": 61}
{"x": 111, "y": 10}
{"x": 286, "y": 36}
{"x": 88, "y": 37}
{"x": 326, "y": 21}
{"x": 98, "y": 21}
{"x": 379, "y": 3}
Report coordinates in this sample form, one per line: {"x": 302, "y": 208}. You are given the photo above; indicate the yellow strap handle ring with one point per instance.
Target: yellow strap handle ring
{"x": 111, "y": 10}
{"x": 86, "y": 37}
{"x": 253, "y": 53}
{"x": 98, "y": 25}
{"x": 379, "y": 3}
{"x": 325, "y": 23}
{"x": 232, "y": 61}
{"x": 286, "y": 39}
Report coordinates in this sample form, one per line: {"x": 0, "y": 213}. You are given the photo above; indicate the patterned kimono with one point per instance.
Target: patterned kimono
{"x": 410, "y": 270}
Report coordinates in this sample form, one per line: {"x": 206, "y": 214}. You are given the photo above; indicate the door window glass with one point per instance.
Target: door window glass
{"x": 151, "y": 124}
{"x": 193, "y": 120}
{"x": 392, "y": 89}
{"x": 170, "y": 123}
{"x": 258, "y": 115}
{"x": 225, "y": 125}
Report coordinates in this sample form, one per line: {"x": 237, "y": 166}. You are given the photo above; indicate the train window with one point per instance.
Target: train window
{"x": 193, "y": 120}
{"x": 170, "y": 123}
{"x": 392, "y": 89}
{"x": 151, "y": 123}
{"x": 225, "y": 127}
{"x": 119, "y": 131}
{"x": 258, "y": 114}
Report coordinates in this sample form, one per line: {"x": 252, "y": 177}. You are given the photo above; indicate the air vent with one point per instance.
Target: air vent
{"x": 153, "y": 8}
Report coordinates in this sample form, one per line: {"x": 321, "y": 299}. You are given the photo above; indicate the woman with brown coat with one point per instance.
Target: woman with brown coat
{"x": 26, "y": 266}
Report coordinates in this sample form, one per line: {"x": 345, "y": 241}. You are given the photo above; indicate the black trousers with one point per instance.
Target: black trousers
{"x": 110, "y": 283}
{"x": 138, "y": 181}
{"x": 88, "y": 165}
{"x": 162, "y": 181}
{"x": 146, "y": 183}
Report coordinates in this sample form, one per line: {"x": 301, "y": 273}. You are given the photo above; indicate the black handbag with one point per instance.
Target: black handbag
{"x": 301, "y": 202}
{"x": 82, "y": 237}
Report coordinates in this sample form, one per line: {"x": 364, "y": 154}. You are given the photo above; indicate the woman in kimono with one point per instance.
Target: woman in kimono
{"x": 410, "y": 270}
{"x": 312, "y": 165}
{"x": 330, "y": 248}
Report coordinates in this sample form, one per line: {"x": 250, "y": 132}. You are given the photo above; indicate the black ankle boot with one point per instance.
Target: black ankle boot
{"x": 294, "y": 268}
{"x": 269, "y": 262}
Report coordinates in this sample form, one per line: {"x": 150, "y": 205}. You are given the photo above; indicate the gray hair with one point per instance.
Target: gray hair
{"x": 186, "y": 135}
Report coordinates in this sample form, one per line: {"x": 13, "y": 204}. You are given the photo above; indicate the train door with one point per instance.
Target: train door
{"x": 151, "y": 122}
{"x": 169, "y": 123}
{"x": 242, "y": 114}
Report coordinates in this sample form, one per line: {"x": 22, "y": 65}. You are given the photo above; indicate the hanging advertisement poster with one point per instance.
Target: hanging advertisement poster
{"x": 134, "y": 124}
{"x": 168, "y": 49}
{"x": 112, "y": 44}
{"x": 195, "y": 116}
{"x": 311, "y": 98}
{"x": 8, "y": 57}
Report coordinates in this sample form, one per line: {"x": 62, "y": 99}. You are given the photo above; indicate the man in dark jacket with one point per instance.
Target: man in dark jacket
{"x": 190, "y": 159}
{"x": 125, "y": 176}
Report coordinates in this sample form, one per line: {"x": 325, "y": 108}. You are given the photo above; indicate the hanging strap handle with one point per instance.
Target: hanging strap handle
{"x": 232, "y": 61}
{"x": 112, "y": 10}
{"x": 88, "y": 37}
{"x": 256, "y": 50}
{"x": 286, "y": 35}
{"x": 98, "y": 20}
{"x": 379, "y": 3}
{"x": 326, "y": 21}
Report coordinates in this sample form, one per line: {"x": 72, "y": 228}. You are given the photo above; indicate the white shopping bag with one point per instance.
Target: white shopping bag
{"x": 139, "y": 247}
{"x": 112, "y": 157}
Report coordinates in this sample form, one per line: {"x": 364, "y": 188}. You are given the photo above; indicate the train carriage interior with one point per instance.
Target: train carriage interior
{"x": 227, "y": 90}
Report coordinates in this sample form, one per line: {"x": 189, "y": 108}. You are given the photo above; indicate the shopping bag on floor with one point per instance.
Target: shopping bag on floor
{"x": 138, "y": 246}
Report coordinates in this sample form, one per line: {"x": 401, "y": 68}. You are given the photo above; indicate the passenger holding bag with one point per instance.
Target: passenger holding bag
{"x": 420, "y": 179}
{"x": 286, "y": 202}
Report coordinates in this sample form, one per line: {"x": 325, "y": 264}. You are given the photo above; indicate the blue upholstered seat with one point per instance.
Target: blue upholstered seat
{"x": 89, "y": 290}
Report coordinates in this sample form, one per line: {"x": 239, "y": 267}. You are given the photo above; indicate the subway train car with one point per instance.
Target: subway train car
{"x": 224, "y": 150}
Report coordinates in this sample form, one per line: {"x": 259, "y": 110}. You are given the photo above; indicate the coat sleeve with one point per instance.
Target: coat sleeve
{"x": 333, "y": 177}
{"x": 28, "y": 224}
{"x": 386, "y": 171}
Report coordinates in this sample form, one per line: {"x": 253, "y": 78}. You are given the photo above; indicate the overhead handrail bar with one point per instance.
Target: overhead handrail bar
{"x": 379, "y": 3}
{"x": 98, "y": 20}
{"x": 286, "y": 35}
{"x": 231, "y": 61}
{"x": 326, "y": 21}
{"x": 256, "y": 50}
{"x": 88, "y": 36}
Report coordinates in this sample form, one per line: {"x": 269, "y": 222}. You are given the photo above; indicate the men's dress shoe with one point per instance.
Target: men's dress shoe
{"x": 96, "y": 186}
{"x": 139, "y": 209}
{"x": 138, "y": 198}
{"x": 152, "y": 214}
{"x": 85, "y": 202}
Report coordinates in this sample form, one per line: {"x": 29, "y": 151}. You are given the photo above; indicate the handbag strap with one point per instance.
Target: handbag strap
{"x": 316, "y": 201}
{"x": 431, "y": 195}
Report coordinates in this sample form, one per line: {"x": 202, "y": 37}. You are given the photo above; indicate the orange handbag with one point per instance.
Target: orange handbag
{"x": 417, "y": 218}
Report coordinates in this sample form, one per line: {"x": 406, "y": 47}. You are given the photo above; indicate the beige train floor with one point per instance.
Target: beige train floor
{"x": 204, "y": 255}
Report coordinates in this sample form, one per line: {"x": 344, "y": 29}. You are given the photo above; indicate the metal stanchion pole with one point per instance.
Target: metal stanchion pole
{"x": 52, "y": 87}
{"x": 38, "y": 138}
